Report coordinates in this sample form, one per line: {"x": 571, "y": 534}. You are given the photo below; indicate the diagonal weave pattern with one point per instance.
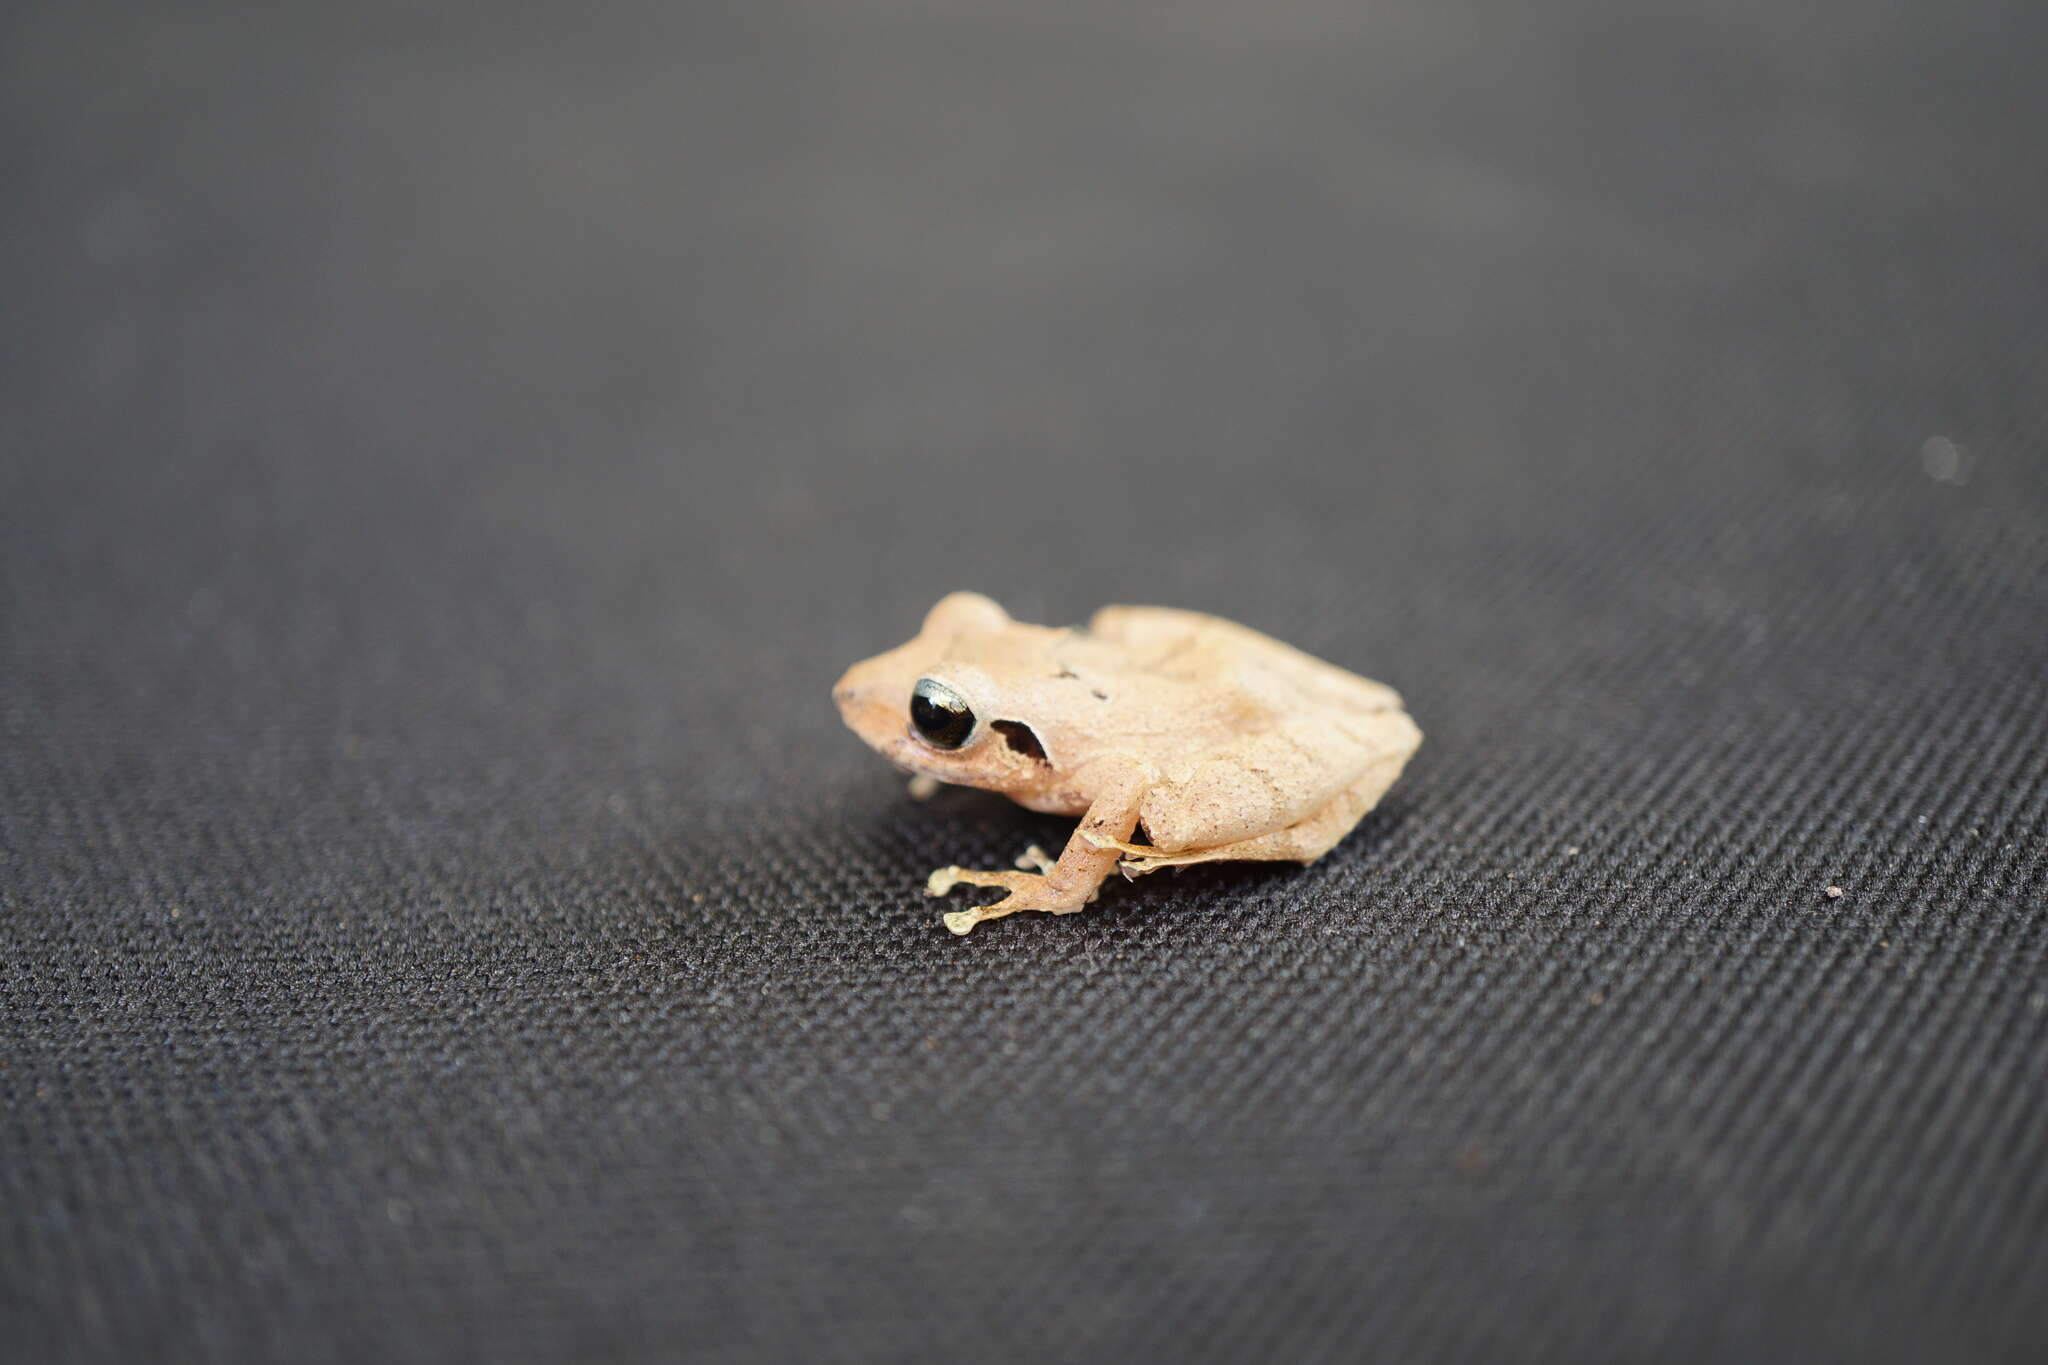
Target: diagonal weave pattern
{"x": 446, "y": 456}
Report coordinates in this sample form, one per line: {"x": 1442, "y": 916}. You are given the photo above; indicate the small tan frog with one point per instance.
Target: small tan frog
{"x": 1198, "y": 738}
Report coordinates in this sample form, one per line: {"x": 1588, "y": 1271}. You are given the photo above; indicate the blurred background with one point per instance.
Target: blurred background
{"x": 447, "y": 453}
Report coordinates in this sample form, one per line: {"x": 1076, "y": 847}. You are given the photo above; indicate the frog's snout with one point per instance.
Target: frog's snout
{"x": 846, "y": 697}
{"x": 861, "y": 706}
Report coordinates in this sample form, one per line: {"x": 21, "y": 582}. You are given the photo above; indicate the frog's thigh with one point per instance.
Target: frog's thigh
{"x": 1302, "y": 842}
{"x": 1260, "y": 784}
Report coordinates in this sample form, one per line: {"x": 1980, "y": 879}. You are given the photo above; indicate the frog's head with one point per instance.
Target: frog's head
{"x": 955, "y": 702}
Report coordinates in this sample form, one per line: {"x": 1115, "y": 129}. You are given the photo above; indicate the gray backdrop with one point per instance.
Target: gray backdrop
{"x": 448, "y": 452}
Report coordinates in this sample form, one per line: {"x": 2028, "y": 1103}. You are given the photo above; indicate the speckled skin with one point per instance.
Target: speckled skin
{"x": 1222, "y": 742}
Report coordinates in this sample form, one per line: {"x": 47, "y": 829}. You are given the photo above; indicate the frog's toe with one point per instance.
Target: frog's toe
{"x": 963, "y": 921}
{"x": 1035, "y": 859}
{"x": 1101, "y": 840}
{"x": 1151, "y": 860}
{"x": 1027, "y": 891}
{"x": 946, "y": 878}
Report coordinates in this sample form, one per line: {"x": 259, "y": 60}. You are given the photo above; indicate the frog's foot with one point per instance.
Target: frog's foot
{"x": 1028, "y": 891}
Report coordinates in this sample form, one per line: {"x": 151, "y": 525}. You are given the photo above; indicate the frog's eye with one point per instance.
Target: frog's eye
{"x": 940, "y": 714}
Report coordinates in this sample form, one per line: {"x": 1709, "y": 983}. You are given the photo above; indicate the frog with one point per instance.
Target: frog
{"x": 1175, "y": 736}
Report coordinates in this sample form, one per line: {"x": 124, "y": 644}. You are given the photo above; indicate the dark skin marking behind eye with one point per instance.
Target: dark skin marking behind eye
{"x": 1098, "y": 694}
{"x": 1020, "y": 737}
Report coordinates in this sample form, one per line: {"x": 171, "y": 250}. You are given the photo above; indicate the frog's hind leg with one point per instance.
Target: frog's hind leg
{"x": 1302, "y": 842}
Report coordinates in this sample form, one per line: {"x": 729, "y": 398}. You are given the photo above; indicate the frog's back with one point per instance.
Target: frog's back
{"x": 1195, "y": 647}
{"x": 1283, "y": 736}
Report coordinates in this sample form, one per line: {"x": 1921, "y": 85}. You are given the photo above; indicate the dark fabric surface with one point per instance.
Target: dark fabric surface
{"x": 448, "y": 455}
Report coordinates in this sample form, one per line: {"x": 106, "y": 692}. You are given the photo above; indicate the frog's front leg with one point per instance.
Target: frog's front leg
{"x": 1074, "y": 879}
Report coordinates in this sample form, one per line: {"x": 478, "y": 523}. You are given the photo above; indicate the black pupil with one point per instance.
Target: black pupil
{"x": 940, "y": 715}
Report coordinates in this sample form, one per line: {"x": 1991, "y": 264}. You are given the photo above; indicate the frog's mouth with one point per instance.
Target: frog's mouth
{"x": 909, "y": 755}
{"x": 899, "y": 752}
{"x": 880, "y": 726}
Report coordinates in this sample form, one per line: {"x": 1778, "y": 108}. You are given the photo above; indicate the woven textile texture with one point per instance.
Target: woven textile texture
{"x": 447, "y": 453}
